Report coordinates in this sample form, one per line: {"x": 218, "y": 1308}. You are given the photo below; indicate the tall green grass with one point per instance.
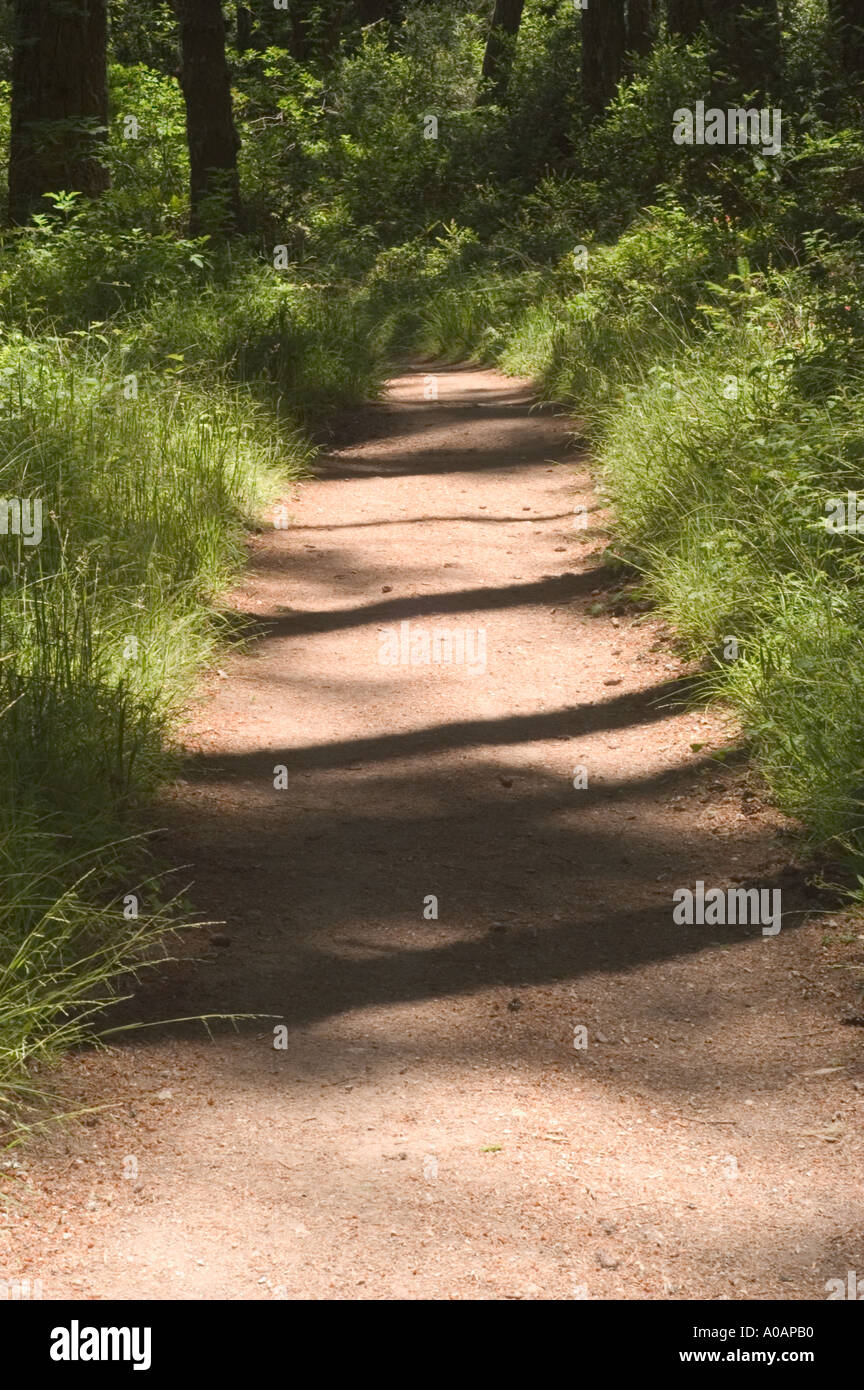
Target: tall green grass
{"x": 103, "y": 623}
{"x": 303, "y": 349}
{"x": 68, "y": 950}
{"x": 150, "y": 466}
{"x": 726, "y": 407}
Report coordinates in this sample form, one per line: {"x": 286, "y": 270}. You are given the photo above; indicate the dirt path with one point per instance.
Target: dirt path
{"x": 430, "y": 1130}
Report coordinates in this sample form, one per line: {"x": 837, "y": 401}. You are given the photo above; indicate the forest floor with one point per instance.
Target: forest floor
{"x": 429, "y": 1130}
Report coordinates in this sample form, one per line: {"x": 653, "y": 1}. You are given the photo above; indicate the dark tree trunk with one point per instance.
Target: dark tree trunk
{"x": 498, "y": 56}
{"x": 848, "y": 16}
{"x": 59, "y": 101}
{"x": 685, "y": 16}
{"x": 640, "y": 25}
{"x": 331, "y": 33}
{"x": 298, "y": 45}
{"x": 210, "y": 132}
{"x": 747, "y": 39}
{"x": 745, "y": 35}
{"x": 373, "y": 10}
{"x": 603, "y": 46}
{"x": 244, "y": 28}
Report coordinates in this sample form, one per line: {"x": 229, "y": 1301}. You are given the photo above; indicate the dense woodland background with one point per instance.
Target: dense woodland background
{"x": 224, "y": 221}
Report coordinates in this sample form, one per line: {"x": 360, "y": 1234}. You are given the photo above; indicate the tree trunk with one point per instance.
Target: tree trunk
{"x": 297, "y": 43}
{"x": 498, "y": 56}
{"x": 336, "y": 12}
{"x": 372, "y": 10}
{"x": 640, "y": 25}
{"x": 244, "y": 28}
{"x": 210, "y": 132}
{"x": 59, "y": 101}
{"x": 848, "y": 16}
{"x": 747, "y": 38}
{"x": 685, "y": 16}
{"x": 603, "y": 46}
